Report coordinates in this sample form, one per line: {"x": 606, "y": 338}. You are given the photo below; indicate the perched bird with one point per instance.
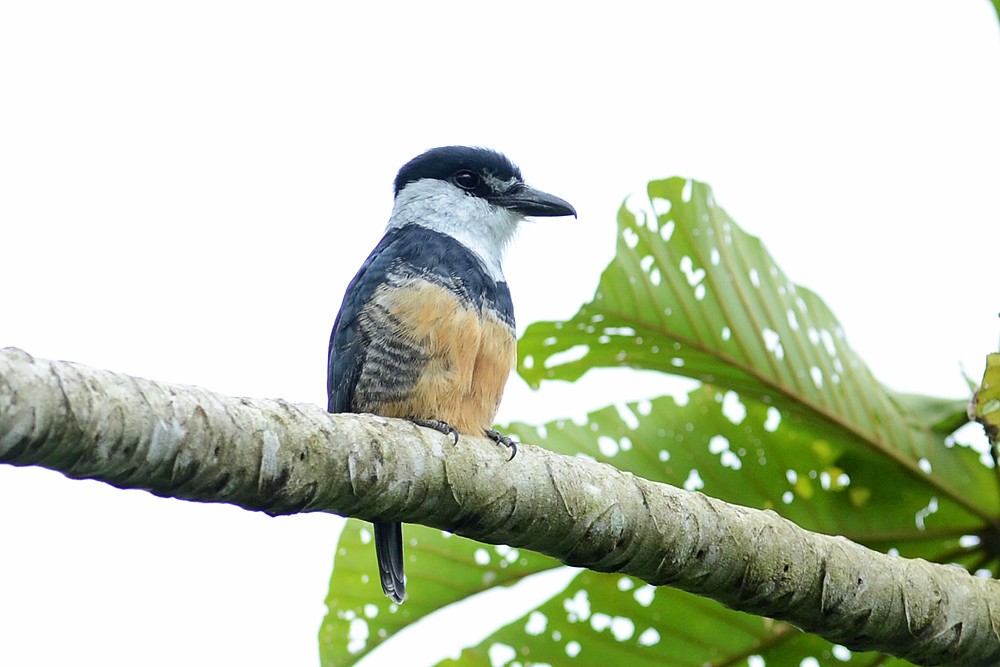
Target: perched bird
{"x": 426, "y": 329}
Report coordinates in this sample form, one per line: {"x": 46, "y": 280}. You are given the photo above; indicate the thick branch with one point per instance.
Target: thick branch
{"x": 270, "y": 455}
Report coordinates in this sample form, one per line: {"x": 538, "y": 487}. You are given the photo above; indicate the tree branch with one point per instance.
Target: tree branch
{"x": 280, "y": 458}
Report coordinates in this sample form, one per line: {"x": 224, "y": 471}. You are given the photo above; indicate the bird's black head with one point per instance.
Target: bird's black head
{"x": 484, "y": 173}
{"x": 464, "y": 166}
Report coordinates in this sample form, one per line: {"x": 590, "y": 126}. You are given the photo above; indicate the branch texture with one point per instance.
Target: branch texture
{"x": 273, "y": 456}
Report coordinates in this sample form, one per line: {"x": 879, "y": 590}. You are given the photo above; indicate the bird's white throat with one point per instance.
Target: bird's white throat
{"x": 475, "y": 223}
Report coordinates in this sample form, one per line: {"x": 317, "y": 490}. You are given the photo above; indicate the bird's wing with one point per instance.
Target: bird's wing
{"x": 348, "y": 346}
{"x": 375, "y": 349}
{"x": 373, "y": 359}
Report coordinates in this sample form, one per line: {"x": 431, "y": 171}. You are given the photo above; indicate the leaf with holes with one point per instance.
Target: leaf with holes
{"x": 690, "y": 293}
{"x": 441, "y": 569}
{"x": 605, "y": 619}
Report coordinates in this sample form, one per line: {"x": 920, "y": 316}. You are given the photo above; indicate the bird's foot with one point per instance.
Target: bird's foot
{"x": 439, "y": 426}
{"x": 501, "y": 439}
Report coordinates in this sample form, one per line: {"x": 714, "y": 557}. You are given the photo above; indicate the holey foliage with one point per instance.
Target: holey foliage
{"x": 786, "y": 417}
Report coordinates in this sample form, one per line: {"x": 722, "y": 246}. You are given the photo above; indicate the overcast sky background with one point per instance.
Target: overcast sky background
{"x": 186, "y": 188}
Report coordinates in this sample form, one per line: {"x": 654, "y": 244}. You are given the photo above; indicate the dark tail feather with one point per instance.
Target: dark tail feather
{"x": 389, "y": 551}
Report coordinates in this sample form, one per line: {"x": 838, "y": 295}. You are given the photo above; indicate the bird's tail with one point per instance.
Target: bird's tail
{"x": 389, "y": 551}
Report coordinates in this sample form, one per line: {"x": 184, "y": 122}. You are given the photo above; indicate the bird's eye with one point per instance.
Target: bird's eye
{"x": 467, "y": 180}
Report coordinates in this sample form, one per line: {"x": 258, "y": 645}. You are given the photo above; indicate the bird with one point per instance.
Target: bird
{"x": 425, "y": 331}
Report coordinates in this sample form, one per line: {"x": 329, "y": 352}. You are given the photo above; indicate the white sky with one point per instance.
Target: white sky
{"x": 187, "y": 187}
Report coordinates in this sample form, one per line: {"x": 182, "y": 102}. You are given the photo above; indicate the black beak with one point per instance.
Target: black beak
{"x": 529, "y": 201}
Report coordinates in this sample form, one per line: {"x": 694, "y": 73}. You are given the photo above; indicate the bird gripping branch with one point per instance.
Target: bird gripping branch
{"x": 426, "y": 329}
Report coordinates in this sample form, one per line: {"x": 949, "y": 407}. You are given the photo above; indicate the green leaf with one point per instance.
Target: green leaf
{"x": 606, "y": 620}
{"x": 441, "y": 569}
{"x": 986, "y": 404}
{"x": 690, "y": 293}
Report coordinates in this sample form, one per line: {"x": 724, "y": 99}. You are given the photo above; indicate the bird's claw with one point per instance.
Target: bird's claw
{"x": 438, "y": 425}
{"x": 505, "y": 440}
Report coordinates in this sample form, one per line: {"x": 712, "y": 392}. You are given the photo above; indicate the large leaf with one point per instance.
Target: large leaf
{"x": 690, "y": 293}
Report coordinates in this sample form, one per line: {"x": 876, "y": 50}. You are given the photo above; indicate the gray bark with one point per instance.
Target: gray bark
{"x": 280, "y": 458}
